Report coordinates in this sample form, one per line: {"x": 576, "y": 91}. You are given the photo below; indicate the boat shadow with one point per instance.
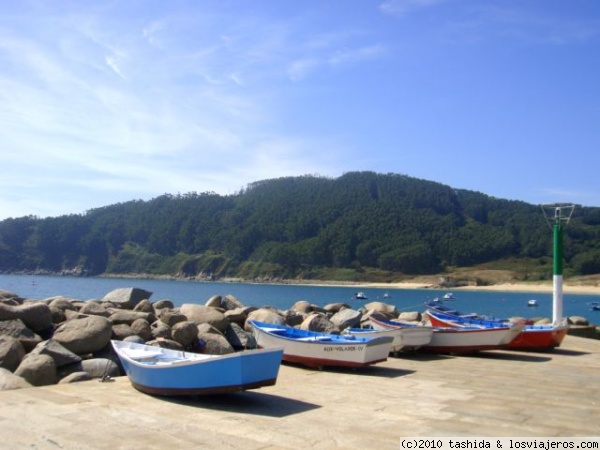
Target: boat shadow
{"x": 247, "y": 402}
{"x": 512, "y": 356}
{"x": 371, "y": 371}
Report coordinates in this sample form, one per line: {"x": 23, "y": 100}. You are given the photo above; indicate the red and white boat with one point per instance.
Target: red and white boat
{"x": 532, "y": 337}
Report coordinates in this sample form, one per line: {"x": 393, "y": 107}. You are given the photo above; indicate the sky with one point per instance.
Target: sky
{"x": 103, "y": 102}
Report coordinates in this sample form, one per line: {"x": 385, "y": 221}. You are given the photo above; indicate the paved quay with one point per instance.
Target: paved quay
{"x": 498, "y": 394}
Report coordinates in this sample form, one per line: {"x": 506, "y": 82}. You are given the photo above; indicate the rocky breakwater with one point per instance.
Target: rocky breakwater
{"x": 64, "y": 340}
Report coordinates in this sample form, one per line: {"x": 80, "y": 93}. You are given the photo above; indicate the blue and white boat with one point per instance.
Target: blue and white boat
{"x": 161, "y": 371}
{"x": 317, "y": 350}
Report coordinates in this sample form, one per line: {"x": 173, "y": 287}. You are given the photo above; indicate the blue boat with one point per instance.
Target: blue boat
{"x": 160, "y": 371}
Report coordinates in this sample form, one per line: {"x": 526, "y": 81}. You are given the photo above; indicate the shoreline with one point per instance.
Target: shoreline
{"x": 546, "y": 287}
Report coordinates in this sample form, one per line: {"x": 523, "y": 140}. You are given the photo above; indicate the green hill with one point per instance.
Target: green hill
{"x": 362, "y": 226}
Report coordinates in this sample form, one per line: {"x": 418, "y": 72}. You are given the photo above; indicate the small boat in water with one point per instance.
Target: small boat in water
{"x": 317, "y": 350}
{"x": 532, "y": 303}
{"x": 360, "y": 296}
{"x": 594, "y": 306}
{"x": 162, "y": 371}
{"x": 449, "y": 296}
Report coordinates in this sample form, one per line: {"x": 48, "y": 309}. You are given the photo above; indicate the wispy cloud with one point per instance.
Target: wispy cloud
{"x": 400, "y": 8}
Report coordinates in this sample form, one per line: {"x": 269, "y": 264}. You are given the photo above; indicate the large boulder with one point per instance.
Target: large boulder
{"x": 92, "y": 308}
{"x": 240, "y": 339}
{"x": 214, "y": 301}
{"x": 62, "y": 303}
{"x": 86, "y": 335}
{"x": 382, "y": 307}
{"x": 410, "y": 316}
{"x": 37, "y": 316}
{"x": 17, "y": 329}
{"x": 11, "y": 352}
{"x": 38, "y": 370}
{"x": 231, "y": 302}
{"x": 95, "y": 368}
{"x": 144, "y": 306}
{"x": 163, "y": 304}
{"x": 120, "y": 316}
{"x": 142, "y": 328}
{"x": 170, "y": 318}
{"x": 320, "y": 323}
{"x": 127, "y": 298}
{"x": 61, "y": 355}
{"x": 10, "y": 381}
{"x": 266, "y": 315}
{"x": 75, "y": 377}
{"x": 185, "y": 333}
{"x": 212, "y": 341}
{"x": 346, "y": 318}
{"x": 200, "y": 314}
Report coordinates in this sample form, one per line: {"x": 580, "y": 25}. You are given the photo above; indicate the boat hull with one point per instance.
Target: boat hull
{"x": 413, "y": 336}
{"x": 462, "y": 340}
{"x": 532, "y": 337}
{"x": 317, "y": 350}
{"x": 159, "y": 371}
{"x": 396, "y": 335}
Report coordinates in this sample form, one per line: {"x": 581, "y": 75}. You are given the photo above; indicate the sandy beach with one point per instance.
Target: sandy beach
{"x": 502, "y": 287}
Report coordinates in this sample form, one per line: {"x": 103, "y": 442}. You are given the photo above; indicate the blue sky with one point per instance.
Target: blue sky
{"x": 104, "y": 102}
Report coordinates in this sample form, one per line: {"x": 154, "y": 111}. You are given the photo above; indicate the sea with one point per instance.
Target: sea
{"x": 283, "y": 296}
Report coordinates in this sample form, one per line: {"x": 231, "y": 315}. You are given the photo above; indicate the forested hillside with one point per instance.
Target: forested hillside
{"x": 359, "y": 224}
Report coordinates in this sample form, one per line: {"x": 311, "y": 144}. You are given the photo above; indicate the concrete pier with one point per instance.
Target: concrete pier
{"x": 496, "y": 393}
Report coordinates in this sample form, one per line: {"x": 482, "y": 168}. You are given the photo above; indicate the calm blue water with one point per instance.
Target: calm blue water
{"x": 504, "y": 304}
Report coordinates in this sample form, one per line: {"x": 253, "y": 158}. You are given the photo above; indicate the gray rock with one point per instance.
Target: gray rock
{"x": 410, "y": 316}
{"x": 94, "y": 309}
{"x": 382, "y": 307}
{"x": 231, "y": 302}
{"x": 240, "y": 339}
{"x": 95, "y": 368}
{"x": 135, "y": 338}
{"x": 335, "y": 307}
{"x": 166, "y": 343}
{"x": 121, "y": 331}
{"x": 171, "y": 317}
{"x": 62, "y": 303}
{"x": 302, "y": 306}
{"x": 200, "y": 314}
{"x": 62, "y": 356}
{"x": 215, "y": 343}
{"x": 320, "y": 323}
{"x": 9, "y": 381}
{"x": 35, "y": 315}
{"x": 577, "y": 320}
{"x": 75, "y": 377}
{"x": 38, "y": 370}
{"x": 264, "y": 315}
{"x": 128, "y": 317}
{"x": 214, "y": 301}
{"x": 163, "y": 304}
{"x": 84, "y": 336}
{"x": 346, "y": 318}
{"x": 160, "y": 330}
{"x": 127, "y": 298}
{"x": 142, "y": 328}
{"x": 17, "y": 329}
{"x": 11, "y": 352}
{"x": 144, "y": 306}
{"x": 185, "y": 333}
